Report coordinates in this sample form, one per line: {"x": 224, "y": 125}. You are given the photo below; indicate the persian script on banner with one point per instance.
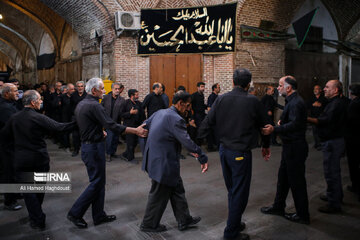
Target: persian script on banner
{"x": 208, "y": 29}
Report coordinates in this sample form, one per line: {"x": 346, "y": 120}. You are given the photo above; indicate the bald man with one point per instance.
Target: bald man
{"x": 331, "y": 126}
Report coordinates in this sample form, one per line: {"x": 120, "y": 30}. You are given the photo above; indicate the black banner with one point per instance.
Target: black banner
{"x": 188, "y": 30}
{"x": 45, "y": 61}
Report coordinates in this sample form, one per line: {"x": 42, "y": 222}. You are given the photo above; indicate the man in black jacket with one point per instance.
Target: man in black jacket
{"x": 269, "y": 103}
{"x": 8, "y": 107}
{"x": 199, "y": 107}
{"x": 331, "y": 126}
{"x": 133, "y": 115}
{"x": 236, "y": 134}
{"x": 316, "y": 106}
{"x": 113, "y": 104}
{"x": 291, "y": 174}
{"x": 77, "y": 97}
{"x": 66, "y": 113}
{"x": 352, "y": 143}
{"x": 26, "y": 130}
{"x": 153, "y": 101}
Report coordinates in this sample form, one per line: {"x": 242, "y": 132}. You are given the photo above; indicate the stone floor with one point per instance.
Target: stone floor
{"x": 126, "y": 195}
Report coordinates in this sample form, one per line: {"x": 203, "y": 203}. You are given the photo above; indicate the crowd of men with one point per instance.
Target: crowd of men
{"x": 73, "y": 117}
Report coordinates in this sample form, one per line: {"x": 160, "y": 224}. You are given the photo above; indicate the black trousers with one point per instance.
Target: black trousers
{"x": 333, "y": 150}
{"x": 34, "y": 201}
{"x": 76, "y": 139}
{"x": 159, "y": 196}
{"x": 93, "y": 155}
{"x": 351, "y": 146}
{"x": 131, "y": 142}
{"x": 292, "y": 176}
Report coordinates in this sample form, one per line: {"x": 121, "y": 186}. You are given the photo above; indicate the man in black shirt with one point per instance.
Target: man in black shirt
{"x": 236, "y": 134}
{"x": 77, "y": 97}
{"x": 153, "y": 101}
{"x": 316, "y": 106}
{"x": 199, "y": 107}
{"x": 8, "y": 107}
{"x": 113, "y": 104}
{"x": 212, "y": 139}
{"x": 291, "y": 174}
{"x": 26, "y": 130}
{"x": 352, "y": 143}
{"x": 91, "y": 119}
{"x": 66, "y": 113}
{"x": 133, "y": 115}
{"x": 269, "y": 103}
{"x": 331, "y": 126}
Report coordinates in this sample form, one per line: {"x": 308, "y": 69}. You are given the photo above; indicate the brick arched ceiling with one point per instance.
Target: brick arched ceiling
{"x": 6, "y": 59}
{"x": 8, "y": 50}
{"x": 13, "y": 41}
{"x": 32, "y": 13}
{"x": 345, "y": 14}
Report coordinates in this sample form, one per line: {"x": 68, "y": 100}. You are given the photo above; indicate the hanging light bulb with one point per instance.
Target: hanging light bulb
{"x": 1, "y": 17}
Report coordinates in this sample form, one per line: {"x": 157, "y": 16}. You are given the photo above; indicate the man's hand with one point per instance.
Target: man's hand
{"x": 105, "y": 133}
{"x": 269, "y": 113}
{"x": 267, "y": 130}
{"x": 192, "y": 123}
{"x": 133, "y": 111}
{"x": 204, "y": 167}
{"x": 141, "y": 131}
{"x": 266, "y": 153}
{"x": 279, "y": 123}
{"x": 316, "y": 104}
{"x": 195, "y": 155}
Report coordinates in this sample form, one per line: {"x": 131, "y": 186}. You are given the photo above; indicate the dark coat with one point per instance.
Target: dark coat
{"x": 117, "y": 108}
{"x": 167, "y": 132}
{"x": 26, "y": 130}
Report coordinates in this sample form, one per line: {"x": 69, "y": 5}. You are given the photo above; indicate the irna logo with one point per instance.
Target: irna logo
{"x": 51, "y": 177}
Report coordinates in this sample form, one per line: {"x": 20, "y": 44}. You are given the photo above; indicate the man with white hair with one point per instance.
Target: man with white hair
{"x": 25, "y": 130}
{"x": 91, "y": 119}
{"x": 77, "y": 97}
{"x": 7, "y": 109}
{"x": 291, "y": 129}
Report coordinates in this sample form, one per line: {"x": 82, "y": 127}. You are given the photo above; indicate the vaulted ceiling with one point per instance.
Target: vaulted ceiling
{"x": 25, "y": 21}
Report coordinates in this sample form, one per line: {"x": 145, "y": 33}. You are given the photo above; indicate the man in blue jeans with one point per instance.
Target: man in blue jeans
{"x": 236, "y": 132}
{"x": 91, "y": 118}
{"x": 113, "y": 104}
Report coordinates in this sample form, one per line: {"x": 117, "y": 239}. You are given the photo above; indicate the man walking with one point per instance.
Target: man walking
{"x": 167, "y": 132}
{"x": 236, "y": 130}
{"x": 91, "y": 118}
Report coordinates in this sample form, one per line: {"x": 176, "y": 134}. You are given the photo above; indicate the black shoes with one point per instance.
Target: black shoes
{"x": 37, "y": 226}
{"x": 272, "y": 210}
{"x": 242, "y": 226}
{"x": 13, "y": 207}
{"x": 75, "y": 153}
{"x": 350, "y": 188}
{"x": 160, "y": 228}
{"x": 190, "y": 222}
{"x": 296, "y": 218}
{"x": 329, "y": 209}
{"x": 108, "y": 158}
{"x": 79, "y": 222}
{"x": 276, "y": 144}
{"x": 105, "y": 219}
{"x": 241, "y": 236}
